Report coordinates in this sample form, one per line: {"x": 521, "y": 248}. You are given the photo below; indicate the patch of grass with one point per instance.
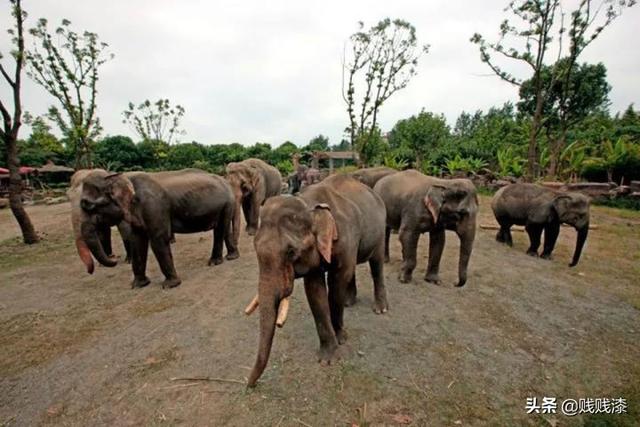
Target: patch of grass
{"x": 619, "y": 203}
{"x": 15, "y": 254}
{"x": 30, "y": 339}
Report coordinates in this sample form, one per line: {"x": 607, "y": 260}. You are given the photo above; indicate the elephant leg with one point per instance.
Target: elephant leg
{"x": 409, "y": 241}
{"x": 231, "y": 244}
{"x": 504, "y": 233}
{"x": 352, "y": 293}
{"x": 534, "y": 231}
{"x": 387, "y": 236}
{"x": 376, "y": 265}
{"x": 437, "y": 240}
{"x": 139, "y": 250}
{"x": 338, "y": 282}
{"x": 162, "y": 250}
{"x": 316, "y": 291}
{"x": 246, "y": 210}
{"x": 551, "y": 232}
{"x": 218, "y": 243}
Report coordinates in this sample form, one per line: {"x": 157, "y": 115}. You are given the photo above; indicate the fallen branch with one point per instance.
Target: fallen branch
{"x": 301, "y": 422}
{"x": 521, "y": 228}
{"x": 220, "y": 380}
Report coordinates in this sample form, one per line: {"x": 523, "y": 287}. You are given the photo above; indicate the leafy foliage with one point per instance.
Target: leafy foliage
{"x": 155, "y": 121}
{"x": 66, "y": 65}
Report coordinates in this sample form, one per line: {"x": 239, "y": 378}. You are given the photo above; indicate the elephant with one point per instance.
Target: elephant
{"x": 417, "y": 203}
{"x": 303, "y": 177}
{"x": 154, "y": 206}
{"x": 330, "y": 227}
{"x": 539, "y": 208}
{"x": 253, "y": 181}
{"x": 370, "y": 176}
{"x": 74, "y": 193}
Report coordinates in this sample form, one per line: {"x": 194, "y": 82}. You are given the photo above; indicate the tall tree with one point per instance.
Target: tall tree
{"x": 421, "y": 134}
{"x": 66, "y": 65}
{"x": 541, "y": 22}
{"x": 155, "y": 120}
{"x": 382, "y": 60}
{"x": 567, "y": 104}
{"x": 11, "y": 124}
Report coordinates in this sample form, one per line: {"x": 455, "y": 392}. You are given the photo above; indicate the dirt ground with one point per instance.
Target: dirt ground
{"x": 79, "y": 349}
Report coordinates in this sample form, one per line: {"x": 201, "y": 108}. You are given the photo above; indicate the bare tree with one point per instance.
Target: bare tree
{"x": 11, "y": 125}
{"x": 382, "y": 60}
{"x": 537, "y": 29}
{"x": 66, "y": 65}
{"x": 157, "y": 121}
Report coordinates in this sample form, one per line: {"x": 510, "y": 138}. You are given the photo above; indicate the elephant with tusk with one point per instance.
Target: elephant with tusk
{"x": 325, "y": 231}
{"x": 540, "y": 208}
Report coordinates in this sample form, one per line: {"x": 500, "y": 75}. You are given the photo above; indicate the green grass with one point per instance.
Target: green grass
{"x": 15, "y": 254}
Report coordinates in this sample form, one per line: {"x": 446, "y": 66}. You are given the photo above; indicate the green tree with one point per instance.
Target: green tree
{"x": 11, "y": 124}
{"x": 118, "y": 153}
{"x": 317, "y": 143}
{"x": 153, "y": 153}
{"x": 157, "y": 121}
{"x": 530, "y": 41}
{"x": 41, "y": 145}
{"x": 66, "y": 65}
{"x": 382, "y": 60}
{"x": 587, "y": 93}
{"x": 419, "y": 135}
{"x": 184, "y": 156}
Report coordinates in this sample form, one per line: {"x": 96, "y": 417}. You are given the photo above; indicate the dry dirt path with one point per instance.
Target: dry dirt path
{"x": 87, "y": 350}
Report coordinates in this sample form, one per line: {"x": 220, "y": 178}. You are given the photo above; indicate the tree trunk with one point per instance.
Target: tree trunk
{"x": 29, "y": 235}
{"x": 554, "y": 153}
{"x": 532, "y": 155}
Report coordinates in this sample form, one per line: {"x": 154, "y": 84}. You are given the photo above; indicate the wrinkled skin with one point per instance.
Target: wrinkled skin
{"x": 416, "y": 204}
{"x": 541, "y": 209}
{"x": 370, "y": 176}
{"x": 253, "y": 181}
{"x": 153, "y": 207}
{"x": 327, "y": 230}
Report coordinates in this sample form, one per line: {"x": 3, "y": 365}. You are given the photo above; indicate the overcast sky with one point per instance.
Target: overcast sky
{"x": 270, "y": 71}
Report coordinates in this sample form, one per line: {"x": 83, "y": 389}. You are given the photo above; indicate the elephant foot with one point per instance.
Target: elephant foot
{"x": 432, "y": 278}
{"x": 532, "y": 253}
{"x": 140, "y": 282}
{"x": 461, "y": 282}
{"x": 232, "y": 255}
{"x": 350, "y": 300}
{"x": 215, "y": 261}
{"x": 171, "y": 283}
{"x": 251, "y": 231}
{"x": 545, "y": 256}
{"x": 380, "y": 307}
{"x": 387, "y": 259}
{"x": 328, "y": 354}
{"x": 341, "y": 336}
{"x": 404, "y": 277}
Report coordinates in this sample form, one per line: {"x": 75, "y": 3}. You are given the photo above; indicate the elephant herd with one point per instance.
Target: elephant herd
{"x": 319, "y": 235}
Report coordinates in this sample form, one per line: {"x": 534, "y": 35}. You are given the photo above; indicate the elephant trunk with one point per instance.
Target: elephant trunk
{"x": 269, "y": 303}
{"x": 580, "y": 240}
{"x": 235, "y": 222}
{"x": 91, "y": 238}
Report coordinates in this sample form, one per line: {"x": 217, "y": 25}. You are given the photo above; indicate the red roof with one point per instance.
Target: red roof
{"x": 23, "y": 170}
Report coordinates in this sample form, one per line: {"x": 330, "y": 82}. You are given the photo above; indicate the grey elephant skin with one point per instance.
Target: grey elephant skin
{"x": 541, "y": 209}
{"x": 327, "y": 230}
{"x": 417, "y": 203}
{"x": 253, "y": 181}
{"x": 370, "y": 176}
{"x": 154, "y": 206}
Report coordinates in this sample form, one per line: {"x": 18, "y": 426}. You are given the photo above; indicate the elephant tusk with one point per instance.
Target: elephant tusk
{"x": 252, "y": 306}
{"x": 283, "y": 310}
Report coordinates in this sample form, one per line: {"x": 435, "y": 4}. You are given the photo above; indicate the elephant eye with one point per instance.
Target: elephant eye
{"x": 291, "y": 253}
{"x": 87, "y": 205}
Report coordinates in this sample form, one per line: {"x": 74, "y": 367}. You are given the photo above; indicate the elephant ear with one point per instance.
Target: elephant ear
{"x": 325, "y": 230}
{"x": 433, "y": 201}
{"x": 561, "y": 204}
{"x": 122, "y": 191}
{"x": 258, "y": 184}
